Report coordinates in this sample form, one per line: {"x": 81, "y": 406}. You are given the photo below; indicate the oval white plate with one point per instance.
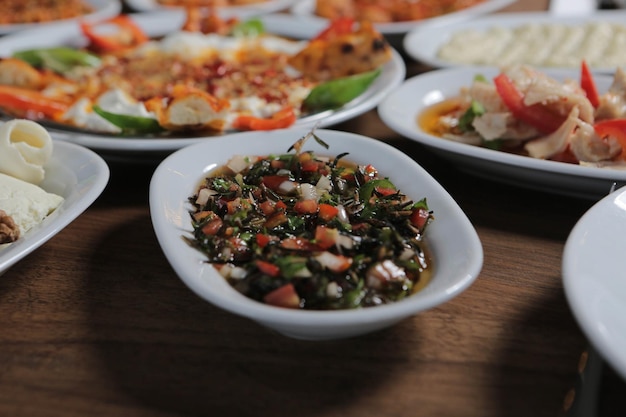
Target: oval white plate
{"x": 159, "y": 23}
{"x": 401, "y": 108}
{"x": 423, "y": 43}
{"x": 78, "y": 175}
{"x": 594, "y": 277}
{"x": 103, "y": 9}
{"x": 305, "y": 23}
{"x": 258, "y": 9}
{"x": 456, "y": 249}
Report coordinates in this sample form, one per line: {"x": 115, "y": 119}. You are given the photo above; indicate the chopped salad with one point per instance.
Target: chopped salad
{"x": 306, "y": 231}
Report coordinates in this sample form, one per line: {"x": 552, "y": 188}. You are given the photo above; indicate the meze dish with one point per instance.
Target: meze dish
{"x": 210, "y": 76}
{"x": 525, "y": 111}
{"x": 453, "y": 245}
{"x": 303, "y": 230}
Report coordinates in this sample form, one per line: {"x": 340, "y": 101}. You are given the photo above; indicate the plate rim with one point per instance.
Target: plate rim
{"x": 269, "y": 6}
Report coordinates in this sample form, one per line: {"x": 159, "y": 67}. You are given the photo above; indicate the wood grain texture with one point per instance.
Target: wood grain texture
{"x": 96, "y": 323}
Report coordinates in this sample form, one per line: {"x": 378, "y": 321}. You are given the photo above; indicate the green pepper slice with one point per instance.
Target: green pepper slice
{"x": 336, "y": 93}
{"x": 250, "y": 28}
{"x": 135, "y": 124}
{"x": 58, "y": 59}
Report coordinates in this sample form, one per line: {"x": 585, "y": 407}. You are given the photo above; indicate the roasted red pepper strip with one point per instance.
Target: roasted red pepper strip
{"x": 535, "y": 115}
{"x": 615, "y": 128}
{"x": 129, "y": 34}
{"x": 280, "y": 120}
{"x": 588, "y": 84}
{"x": 338, "y": 27}
{"x": 24, "y": 100}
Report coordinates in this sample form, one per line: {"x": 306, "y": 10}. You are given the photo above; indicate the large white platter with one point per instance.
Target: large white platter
{"x": 257, "y": 9}
{"x": 401, "y": 108}
{"x": 78, "y": 175}
{"x": 159, "y": 23}
{"x": 594, "y": 277}
{"x": 456, "y": 249}
{"x": 424, "y": 42}
{"x": 304, "y": 23}
{"x": 103, "y": 9}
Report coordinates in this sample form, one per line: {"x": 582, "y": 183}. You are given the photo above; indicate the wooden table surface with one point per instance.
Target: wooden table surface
{"x": 96, "y": 323}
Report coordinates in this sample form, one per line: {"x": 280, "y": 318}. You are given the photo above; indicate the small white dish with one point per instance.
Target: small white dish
{"x": 400, "y": 110}
{"x": 250, "y": 10}
{"x": 423, "y": 43}
{"x": 157, "y": 24}
{"x": 456, "y": 248}
{"x": 594, "y": 277}
{"x": 305, "y": 23}
{"x": 78, "y": 175}
{"x": 103, "y": 9}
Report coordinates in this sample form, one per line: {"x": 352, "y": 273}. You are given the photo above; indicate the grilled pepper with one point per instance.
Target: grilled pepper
{"x": 59, "y": 59}
{"x": 130, "y": 124}
{"x": 336, "y": 93}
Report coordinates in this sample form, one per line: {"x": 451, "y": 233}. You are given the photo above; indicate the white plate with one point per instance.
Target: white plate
{"x": 457, "y": 251}
{"x": 269, "y": 6}
{"x": 401, "y": 108}
{"x": 594, "y": 277}
{"x": 159, "y": 23}
{"x": 305, "y": 23}
{"x": 103, "y": 9}
{"x": 423, "y": 43}
{"x": 79, "y": 176}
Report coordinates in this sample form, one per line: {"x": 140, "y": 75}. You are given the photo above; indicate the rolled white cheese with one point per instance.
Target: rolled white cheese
{"x": 25, "y": 146}
{"x": 26, "y": 203}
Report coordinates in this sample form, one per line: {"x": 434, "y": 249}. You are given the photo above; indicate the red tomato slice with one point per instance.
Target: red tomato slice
{"x": 285, "y": 296}
{"x": 615, "y": 128}
{"x": 536, "y": 115}
{"x": 588, "y": 84}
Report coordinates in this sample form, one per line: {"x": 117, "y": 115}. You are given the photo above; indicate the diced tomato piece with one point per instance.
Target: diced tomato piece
{"x": 285, "y": 296}
{"x": 325, "y": 237}
{"x": 296, "y": 243}
{"x": 262, "y": 240}
{"x": 385, "y": 191}
{"x": 615, "y": 128}
{"x": 273, "y": 182}
{"x": 277, "y": 164}
{"x": 280, "y": 205}
{"x": 267, "y": 207}
{"x": 419, "y": 218}
{"x": 213, "y": 226}
{"x": 327, "y": 212}
{"x": 276, "y": 220}
{"x": 536, "y": 115}
{"x": 309, "y": 166}
{"x": 268, "y": 268}
{"x": 588, "y": 84}
{"x": 305, "y": 207}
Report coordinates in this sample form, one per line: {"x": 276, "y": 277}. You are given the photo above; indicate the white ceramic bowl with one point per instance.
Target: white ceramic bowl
{"x": 593, "y": 277}
{"x": 456, "y": 248}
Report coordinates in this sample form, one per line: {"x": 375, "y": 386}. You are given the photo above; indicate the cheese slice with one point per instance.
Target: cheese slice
{"x": 25, "y": 146}
{"x": 26, "y": 203}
